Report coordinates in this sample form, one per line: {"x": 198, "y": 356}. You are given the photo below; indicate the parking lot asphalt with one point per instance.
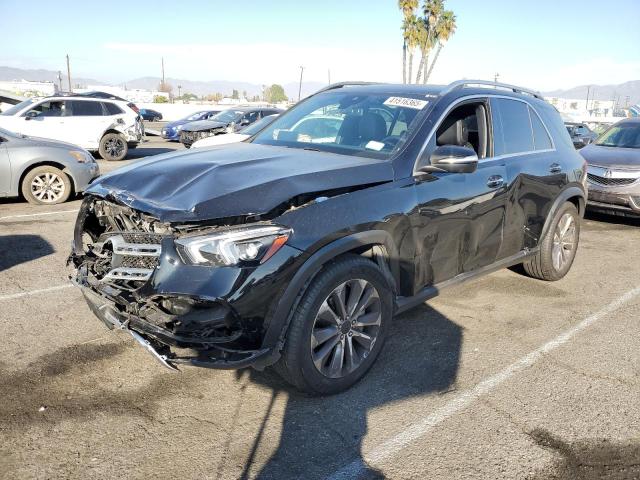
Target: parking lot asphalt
{"x": 505, "y": 377}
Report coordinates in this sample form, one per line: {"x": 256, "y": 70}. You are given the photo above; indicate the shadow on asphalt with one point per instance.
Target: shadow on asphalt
{"x": 612, "y": 219}
{"x": 587, "y": 460}
{"x": 322, "y": 434}
{"x": 17, "y": 249}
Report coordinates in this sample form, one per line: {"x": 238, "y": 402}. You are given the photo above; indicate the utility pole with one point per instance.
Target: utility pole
{"x": 586, "y": 107}
{"x": 495, "y": 77}
{"x": 179, "y": 88}
{"x": 162, "y": 60}
{"x": 329, "y": 75}
{"x": 69, "y": 74}
{"x": 300, "y": 85}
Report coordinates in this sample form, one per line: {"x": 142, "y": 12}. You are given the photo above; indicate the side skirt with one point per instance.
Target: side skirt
{"x": 406, "y": 303}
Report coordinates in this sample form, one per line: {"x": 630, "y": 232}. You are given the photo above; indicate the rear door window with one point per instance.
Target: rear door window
{"x": 83, "y": 108}
{"x": 511, "y": 127}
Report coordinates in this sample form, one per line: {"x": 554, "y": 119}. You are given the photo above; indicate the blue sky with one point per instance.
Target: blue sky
{"x": 544, "y": 44}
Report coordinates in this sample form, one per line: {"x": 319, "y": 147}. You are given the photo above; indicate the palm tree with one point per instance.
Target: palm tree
{"x": 408, "y": 8}
{"x": 432, "y": 13}
{"x": 445, "y": 29}
{"x": 413, "y": 40}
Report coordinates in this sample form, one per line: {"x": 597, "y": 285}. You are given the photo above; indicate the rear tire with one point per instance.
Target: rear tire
{"x": 46, "y": 185}
{"x": 558, "y": 247}
{"x": 329, "y": 348}
{"x": 113, "y": 147}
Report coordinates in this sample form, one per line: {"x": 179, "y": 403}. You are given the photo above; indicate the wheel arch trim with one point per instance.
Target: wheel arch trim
{"x": 281, "y": 317}
{"x": 566, "y": 195}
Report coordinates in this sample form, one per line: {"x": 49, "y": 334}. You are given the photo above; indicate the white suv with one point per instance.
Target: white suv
{"x": 110, "y": 127}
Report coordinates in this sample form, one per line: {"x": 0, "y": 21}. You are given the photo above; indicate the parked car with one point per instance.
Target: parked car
{"x": 239, "y": 136}
{"x": 581, "y": 135}
{"x": 171, "y": 131}
{"x": 614, "y": 169}
{"x": 109, "y": 127}
{"x": 281, "y": 251}
{"x": 105, "y": 95}
{"x": 43, "y": 171}
{"x": 228, "y": 121}
{"x": 150, "y": 115}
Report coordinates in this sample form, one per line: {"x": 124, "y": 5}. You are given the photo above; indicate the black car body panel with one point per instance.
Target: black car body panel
{"x": 424, "y": 228}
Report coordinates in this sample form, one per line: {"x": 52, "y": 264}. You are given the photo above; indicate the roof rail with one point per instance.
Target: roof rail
{"x": 333, "y": 86}
{"x": 485, "y": 83}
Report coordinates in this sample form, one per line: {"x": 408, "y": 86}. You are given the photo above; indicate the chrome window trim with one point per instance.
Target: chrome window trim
{"x": 487, "y": 95}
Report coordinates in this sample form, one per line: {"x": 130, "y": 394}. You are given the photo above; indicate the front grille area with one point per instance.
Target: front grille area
{"x": 135, "y": 255}
{"x": 131, "y": 261}
{"x": 610, "y": 182}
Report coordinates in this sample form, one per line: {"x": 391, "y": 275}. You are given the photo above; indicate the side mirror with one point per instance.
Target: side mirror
{"x": 452, "y": 159}
{"x": 31, "y": 114}
{"x": 244, "y": 122}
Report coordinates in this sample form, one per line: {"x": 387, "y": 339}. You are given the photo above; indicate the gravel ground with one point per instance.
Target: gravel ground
{"x": 502, "y": 378}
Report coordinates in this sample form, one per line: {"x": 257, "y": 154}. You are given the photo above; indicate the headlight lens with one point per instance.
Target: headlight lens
{"x": 81, "y": 157}
{"x": 233, "y": 247}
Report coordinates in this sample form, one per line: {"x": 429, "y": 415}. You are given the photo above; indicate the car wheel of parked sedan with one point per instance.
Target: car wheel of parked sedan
{"x": 339, "y": 327}
{"x": 46, "y": 185}
{"x": 113, "y": 147}
{"x": 558, "y": 247}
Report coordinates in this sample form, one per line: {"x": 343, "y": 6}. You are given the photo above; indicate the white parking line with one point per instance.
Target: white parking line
{"x": 38, "y": 214}
{"x": 28, "y": 293}
{"x": 418, "y": 430}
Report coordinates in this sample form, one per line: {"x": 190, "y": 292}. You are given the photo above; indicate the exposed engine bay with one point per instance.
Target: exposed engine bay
{"x": 116, "y": 251}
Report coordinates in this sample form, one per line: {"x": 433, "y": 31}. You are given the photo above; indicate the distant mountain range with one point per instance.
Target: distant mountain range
{"x": 603, "y": 92}
{"x": 151, "y": 83}
{"x": 597, "y": 92}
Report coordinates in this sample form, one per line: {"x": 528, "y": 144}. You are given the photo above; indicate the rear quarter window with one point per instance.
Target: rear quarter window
{"x": 112, "y": 109}
{"x": 541, "y": 140}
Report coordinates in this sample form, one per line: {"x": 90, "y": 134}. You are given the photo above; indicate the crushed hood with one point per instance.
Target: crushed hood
{"x": 611, "y": 156}
{"x": 234, "y": 180}
{"x": 199, "y": 125}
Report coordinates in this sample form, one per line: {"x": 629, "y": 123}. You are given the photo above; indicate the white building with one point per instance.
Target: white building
{"x": 580, "y": 108}
{"x": 26, "y": 88}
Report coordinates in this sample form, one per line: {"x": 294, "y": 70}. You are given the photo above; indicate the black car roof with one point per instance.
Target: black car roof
{"x": 468, "y": 86}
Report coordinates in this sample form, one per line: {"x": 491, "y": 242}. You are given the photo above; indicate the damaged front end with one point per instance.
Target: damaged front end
{"x": 138, "y": 274}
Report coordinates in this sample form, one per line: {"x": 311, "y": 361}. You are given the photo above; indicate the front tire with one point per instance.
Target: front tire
{"x": 558, "y": 247}
{"x": 339, "y": 327}
{"x": 46, "y": 185}
{"x": 113, "y": 147}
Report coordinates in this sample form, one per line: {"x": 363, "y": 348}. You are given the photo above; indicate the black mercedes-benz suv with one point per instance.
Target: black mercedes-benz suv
{"x": 297, "y": 247}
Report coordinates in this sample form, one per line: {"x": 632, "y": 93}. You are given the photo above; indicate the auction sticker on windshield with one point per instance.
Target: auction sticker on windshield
{"x": 406, "y": 102}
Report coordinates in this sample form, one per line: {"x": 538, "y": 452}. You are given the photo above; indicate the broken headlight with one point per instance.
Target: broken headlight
{"x": 233, "y": 247}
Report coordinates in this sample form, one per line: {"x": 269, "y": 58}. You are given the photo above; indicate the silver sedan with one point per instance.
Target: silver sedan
{"x": 43, "y": 171}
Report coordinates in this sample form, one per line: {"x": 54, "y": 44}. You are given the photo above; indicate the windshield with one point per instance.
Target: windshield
{"x": 259, "y": 125}
{"x": 227, "y": 116}
{"x": 622, "y": 135}
{"x": 195, "y": 116}
{"x": 16, "y": 108}
{"x": 361, "y": 124}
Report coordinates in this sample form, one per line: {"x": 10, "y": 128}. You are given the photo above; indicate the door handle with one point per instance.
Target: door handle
{"x": 555, "y": 168}
{"x": 495, "y": 181}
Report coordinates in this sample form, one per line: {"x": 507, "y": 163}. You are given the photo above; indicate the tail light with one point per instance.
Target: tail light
{"x": 133, "y": 107}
